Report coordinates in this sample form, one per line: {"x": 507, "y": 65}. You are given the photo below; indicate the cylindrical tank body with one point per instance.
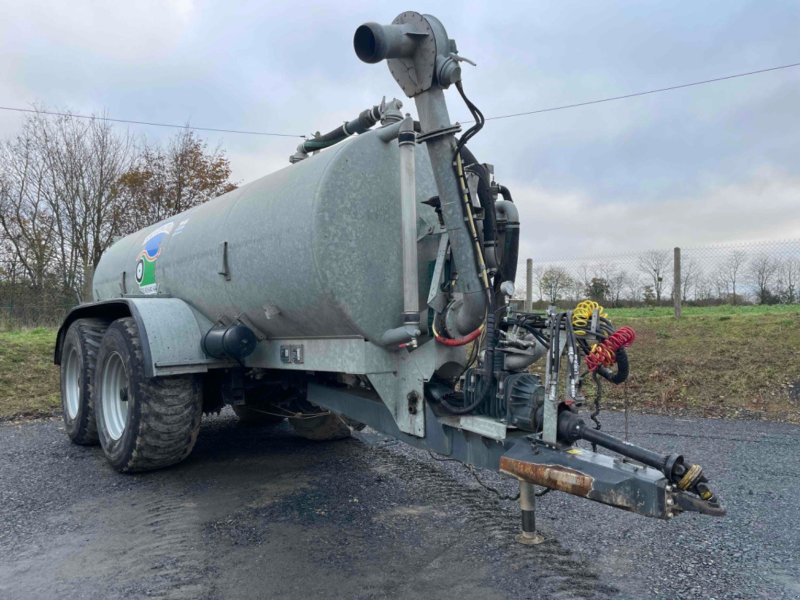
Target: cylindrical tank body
{"x": 312, "y": 250}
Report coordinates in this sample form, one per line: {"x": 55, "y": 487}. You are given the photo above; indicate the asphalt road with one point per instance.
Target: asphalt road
{"x": 260, "y": 513}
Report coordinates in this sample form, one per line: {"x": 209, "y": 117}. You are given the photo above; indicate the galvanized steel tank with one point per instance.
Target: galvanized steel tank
{"x": 312, "y": 250}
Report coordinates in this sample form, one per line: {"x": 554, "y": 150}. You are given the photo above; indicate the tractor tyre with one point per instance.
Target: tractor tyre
{"x": 78, "y": 362}
{"x": 143, "y": 423}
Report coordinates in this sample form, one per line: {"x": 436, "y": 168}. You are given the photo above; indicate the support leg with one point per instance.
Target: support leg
{"x": 527, "y": 502}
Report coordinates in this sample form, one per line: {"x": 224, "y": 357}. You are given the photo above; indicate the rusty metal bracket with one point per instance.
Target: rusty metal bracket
{"x": 590, "y": 475}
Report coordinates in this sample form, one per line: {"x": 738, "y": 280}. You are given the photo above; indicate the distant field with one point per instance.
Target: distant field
{"x": 721, "y": 361}
{"x": 704, "y": 311}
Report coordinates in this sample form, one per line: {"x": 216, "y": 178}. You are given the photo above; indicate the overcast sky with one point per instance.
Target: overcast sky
{"x": 714, "y": 163}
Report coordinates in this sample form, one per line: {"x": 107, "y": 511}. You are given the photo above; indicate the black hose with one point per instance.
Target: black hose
{"x": 476, "y": 114}
{"x": 360, "y": 124}
{"x": 324, "y": 141}
{"x": 505, "y": 193}
{"x": 623, "y": 369}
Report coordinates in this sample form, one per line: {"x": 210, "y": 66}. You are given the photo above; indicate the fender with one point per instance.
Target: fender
{"x": 169, "y": 329}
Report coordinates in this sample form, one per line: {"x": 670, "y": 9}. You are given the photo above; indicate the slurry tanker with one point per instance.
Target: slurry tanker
{"x": 367, "y": 283}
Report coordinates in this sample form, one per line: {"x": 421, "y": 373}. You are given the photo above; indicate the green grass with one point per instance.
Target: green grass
{"x": 716, "y": 362}
{"x": 703, "y": 311}
{"x": 28, "y": 378}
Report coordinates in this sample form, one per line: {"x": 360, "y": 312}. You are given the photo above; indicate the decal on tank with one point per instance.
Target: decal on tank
{"x": 146, "y": 263}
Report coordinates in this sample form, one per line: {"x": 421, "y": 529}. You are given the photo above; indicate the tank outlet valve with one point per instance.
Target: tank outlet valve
{"x": 401, "y": 335}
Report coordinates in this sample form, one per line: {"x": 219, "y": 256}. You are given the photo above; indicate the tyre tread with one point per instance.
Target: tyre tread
{"x": 90, "y": 335}
{"x": 170, "y": 413}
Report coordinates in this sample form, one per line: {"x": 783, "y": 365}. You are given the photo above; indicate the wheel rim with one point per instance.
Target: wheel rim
{"x": 72, "y": 383}
{"x": 114, "y": 394}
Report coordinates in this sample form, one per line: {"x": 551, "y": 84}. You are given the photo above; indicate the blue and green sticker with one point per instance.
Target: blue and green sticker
{"x": 146, "y": 264}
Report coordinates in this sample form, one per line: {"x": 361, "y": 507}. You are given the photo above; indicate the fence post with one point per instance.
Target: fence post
{"x": 529, "y": 285}
{"x": 676, "y": 286}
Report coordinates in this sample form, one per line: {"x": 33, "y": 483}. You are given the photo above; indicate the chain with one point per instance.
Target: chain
{"x": 625, "y": 400}
{"x": 598, "y": 396}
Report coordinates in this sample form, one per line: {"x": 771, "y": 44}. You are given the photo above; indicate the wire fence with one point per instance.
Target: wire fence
{"x": 741, "y": 273}
{"x": 27, "y": 314}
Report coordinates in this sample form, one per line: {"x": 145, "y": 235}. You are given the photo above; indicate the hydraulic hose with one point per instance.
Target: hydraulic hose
{"x": 622, "y": 369}
{"x": 360, "y": 124}
{"x": 462, "y": 341}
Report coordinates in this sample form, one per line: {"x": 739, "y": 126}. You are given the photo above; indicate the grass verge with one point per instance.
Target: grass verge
{"x": 28, "y": 379}
{"x": 740, "y": 363}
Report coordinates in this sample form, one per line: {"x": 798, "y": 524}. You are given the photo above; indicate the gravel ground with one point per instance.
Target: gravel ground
{"x": 258, "y": 512}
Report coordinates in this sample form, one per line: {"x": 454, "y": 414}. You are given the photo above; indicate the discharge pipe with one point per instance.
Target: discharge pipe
{"x": 422, "y": 60}
{"x": 374, "y": 42}
{"x": 408, "y": 200}
{"x": 409, "y": 331}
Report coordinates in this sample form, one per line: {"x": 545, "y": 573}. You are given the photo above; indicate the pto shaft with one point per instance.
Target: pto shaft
{"x": 686, "y": 477}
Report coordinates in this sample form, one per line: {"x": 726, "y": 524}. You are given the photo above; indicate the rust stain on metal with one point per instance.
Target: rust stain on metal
{"x": 556, "y": 477}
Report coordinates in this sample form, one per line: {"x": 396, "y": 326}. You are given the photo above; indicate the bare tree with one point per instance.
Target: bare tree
{"x": 635, "y": 287}
{"x": 704, "y": 287}
{"x": 731, "y": 271}
{"x": 556, "y": 281}
{"x": 788, "y": 280}
{"x": 690, "y": 274}
{"x": 60, "y": 194}
{"x": 762, "y": 270}
{"x": 655, "y": 264}
{"x": 538, "y": 273}
{"x": 26, "y": 221}
{"x": 583, "y": 278}
{"x": 617, "y": 280}
{"x": 69, "y": 186}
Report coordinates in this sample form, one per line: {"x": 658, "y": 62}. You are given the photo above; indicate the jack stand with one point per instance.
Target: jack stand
{"x": 527, "y": 502}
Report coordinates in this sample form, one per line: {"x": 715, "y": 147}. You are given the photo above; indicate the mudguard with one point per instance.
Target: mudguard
{"x": 169, "y": 329}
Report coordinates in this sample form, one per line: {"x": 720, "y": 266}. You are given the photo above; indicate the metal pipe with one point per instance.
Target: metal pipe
{"x": 373, "y": 42}
{"x": 408, "y": 200}
{"x": 464, "y": 317}
{"x": 527, "y": 504}
{"x": 389, "y": 132}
